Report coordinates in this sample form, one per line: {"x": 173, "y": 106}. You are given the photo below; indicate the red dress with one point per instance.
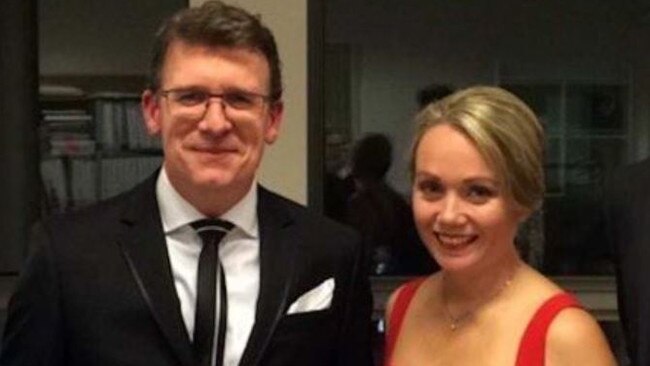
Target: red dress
{"x": 532, "y": 344}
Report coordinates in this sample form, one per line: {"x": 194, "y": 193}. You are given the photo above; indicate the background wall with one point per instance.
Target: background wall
{"x": 94, "y": 37}
{"x": 475, "y": 41}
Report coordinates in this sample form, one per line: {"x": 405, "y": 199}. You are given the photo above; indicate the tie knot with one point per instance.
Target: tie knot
{"x": 211, "y": 231}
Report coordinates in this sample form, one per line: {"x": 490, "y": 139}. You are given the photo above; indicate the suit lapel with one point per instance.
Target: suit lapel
{"x": 277, "y": 266}
{"x": 143, "y": 244}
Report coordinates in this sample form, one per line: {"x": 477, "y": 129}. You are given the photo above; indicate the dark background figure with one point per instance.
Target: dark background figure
{"x": 339, "y": 184}
{"x": 382, "y": 215}
{"x": 627, "y": 222}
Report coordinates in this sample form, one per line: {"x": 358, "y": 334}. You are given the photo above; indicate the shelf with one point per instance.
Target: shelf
{"x": 133, "y": 84}
{"x": 94, "y": 146}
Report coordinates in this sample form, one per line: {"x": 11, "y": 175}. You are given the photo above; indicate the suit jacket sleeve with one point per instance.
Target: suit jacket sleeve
{"x": 356, "y": 345}
{"x": 33, "y": 334}
{"x": 626, "y": 205}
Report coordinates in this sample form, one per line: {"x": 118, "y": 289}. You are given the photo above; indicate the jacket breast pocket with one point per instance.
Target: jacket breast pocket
{"x": 306, "y": 322}
{"x": 308, "y": 338}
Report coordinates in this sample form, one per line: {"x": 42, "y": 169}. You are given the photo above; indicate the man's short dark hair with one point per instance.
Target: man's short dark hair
{"x": 215, "y": 24}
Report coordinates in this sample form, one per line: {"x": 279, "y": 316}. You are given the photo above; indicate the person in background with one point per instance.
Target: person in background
{"x": 382, "y": 215}
{"x": 199, "y": 264}
{"x": 338, "y": 183}
{"x": 627, "y": 223}
{"x": 477, "y": 174}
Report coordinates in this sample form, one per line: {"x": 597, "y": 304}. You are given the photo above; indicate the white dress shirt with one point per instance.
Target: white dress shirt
{"x": 239, "y": 254}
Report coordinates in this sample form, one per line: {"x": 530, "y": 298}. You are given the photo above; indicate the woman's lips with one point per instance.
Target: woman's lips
{"x": 455, "y": 241}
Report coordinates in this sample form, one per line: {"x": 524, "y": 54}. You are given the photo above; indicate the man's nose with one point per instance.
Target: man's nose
{"x": 215, "y": 119}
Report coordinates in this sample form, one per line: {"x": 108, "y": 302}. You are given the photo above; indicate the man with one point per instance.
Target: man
{"x": 124, "y": 282}
{"x": 627, "y": 220}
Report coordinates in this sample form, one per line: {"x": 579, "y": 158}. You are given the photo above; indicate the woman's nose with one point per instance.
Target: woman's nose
{"x": 451, "y": 210}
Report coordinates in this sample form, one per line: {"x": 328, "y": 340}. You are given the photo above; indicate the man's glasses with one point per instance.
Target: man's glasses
{"x": 192, "y": 104}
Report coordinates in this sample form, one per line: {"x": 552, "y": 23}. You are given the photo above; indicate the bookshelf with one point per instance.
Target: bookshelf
{"x": 93, "y": 146}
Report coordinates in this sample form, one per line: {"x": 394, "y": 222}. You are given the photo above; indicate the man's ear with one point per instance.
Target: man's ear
{"x": 274, "y": 122}
{"x": 150, "y": 105}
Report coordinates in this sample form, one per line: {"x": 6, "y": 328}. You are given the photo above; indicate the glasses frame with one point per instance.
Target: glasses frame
{"x": 227, "y": 107}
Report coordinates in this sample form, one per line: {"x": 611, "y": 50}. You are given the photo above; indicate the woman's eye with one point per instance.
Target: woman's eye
{"x": 429, "y": 187}
{"x": 480, "y": 193}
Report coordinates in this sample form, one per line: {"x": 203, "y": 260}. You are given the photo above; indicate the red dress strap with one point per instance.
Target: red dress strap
{"x": 404, "y": 296}
{"x": 533, "y": 343}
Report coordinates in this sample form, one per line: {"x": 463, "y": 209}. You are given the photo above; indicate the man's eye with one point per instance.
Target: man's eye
{"x": 190, "y": 98}
{"x": 239, "y": 100}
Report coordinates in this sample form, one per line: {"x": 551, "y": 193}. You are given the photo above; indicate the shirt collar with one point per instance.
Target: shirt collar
{"x": 176, "y": 212}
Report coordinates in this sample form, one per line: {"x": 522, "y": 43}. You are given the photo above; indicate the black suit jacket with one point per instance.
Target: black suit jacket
{"x": 98, "y": 290}
{"x": 627, "y": 219}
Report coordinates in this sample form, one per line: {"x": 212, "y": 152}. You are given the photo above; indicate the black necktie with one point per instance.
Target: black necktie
{"x": 211, "y": 285}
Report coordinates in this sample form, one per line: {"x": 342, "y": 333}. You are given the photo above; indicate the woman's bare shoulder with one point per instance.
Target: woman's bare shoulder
{"x": 575, "y": 338}
{"x": 426, "y": 287}
{"x": 534, "y": 289}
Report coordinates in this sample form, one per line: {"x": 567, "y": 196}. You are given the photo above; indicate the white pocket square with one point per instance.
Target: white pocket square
{"x": 318, "y": 298}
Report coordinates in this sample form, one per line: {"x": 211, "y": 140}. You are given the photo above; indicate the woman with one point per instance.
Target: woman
{"x": 477, "y": 174}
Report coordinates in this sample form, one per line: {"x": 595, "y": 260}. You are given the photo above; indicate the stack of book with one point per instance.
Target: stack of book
{"x": 121, "y": 174}
{"x": 93, "y": 146}
{"x": 120, "y": 125}
{"x": 67, "y": 132}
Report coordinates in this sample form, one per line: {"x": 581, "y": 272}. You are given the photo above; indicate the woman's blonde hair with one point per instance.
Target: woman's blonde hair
{"x": 505, "y": 131}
